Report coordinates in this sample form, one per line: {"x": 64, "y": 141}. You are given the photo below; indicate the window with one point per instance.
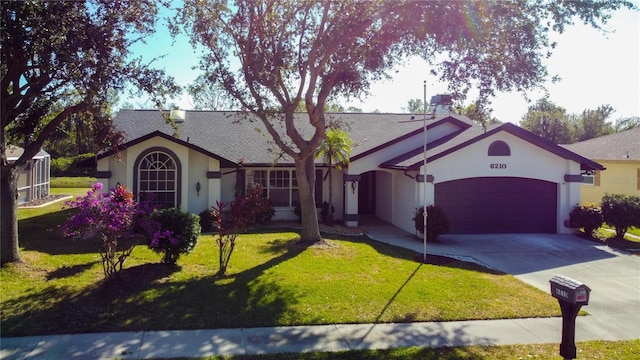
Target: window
{"x": 588, "y": 180}
{"x": 157, "y": 178}
{"x": 281, "y": 186}
{"x": 499, "y": 148}
{"x": 260, "y": 178}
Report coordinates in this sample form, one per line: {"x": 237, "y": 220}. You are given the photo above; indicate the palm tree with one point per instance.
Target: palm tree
{"x": 335, "y": 150}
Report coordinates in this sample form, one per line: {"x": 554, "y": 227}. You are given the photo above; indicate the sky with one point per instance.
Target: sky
{"x": 595, "y": 69}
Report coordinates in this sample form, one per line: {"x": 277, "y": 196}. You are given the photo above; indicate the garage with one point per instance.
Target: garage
{"x": 498, "y": 205}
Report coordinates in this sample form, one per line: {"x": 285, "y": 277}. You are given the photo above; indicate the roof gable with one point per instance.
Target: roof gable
{"x": 433, "y": 123}
{"x": 223, "y": 162}
{"x": 472, "y": 135}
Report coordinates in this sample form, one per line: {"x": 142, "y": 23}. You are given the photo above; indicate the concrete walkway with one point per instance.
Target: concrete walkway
{"x": 613, "y": 276}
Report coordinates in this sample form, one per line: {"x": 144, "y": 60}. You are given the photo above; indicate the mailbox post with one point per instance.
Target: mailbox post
{"x": 571, "y": 295}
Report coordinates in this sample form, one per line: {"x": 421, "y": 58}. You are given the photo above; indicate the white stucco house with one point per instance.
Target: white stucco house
{"x": 502, "y": 180}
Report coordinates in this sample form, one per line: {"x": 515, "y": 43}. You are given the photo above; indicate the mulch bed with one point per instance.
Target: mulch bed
{"x": 433, "y": 259}
{"x": 335, "y": 230}
{"x": 43, "y": 201}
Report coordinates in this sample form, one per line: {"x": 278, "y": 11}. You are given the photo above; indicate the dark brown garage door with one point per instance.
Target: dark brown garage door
{"x": 498, "y": 205}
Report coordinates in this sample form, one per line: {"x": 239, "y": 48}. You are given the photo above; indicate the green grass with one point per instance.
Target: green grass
{"x": 632, "y": 230}
{"x": 607, "y": 236}
{"x": 51, "y": 220}
{"x": 272, "y": 280}
{"x": 619, "y": 350}
{"x": 72, "y": 182}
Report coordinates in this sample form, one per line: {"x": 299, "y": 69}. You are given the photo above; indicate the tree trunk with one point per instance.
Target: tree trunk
{"x": 10, "y": 250}
{"x": 305, "y": 174}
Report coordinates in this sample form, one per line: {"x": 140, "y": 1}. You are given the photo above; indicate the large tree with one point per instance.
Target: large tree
{"x": 60, "y": 60}
{"x": 550, "y": 121}
{"x": 414, "y": 106}
{"x": 272, "y": 55}
{"x": 477, "y": 113}
{"x": 593, "y": 123}
{"x": 207, "y": 95}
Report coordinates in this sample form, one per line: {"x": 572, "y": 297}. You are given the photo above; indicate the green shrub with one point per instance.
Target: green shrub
{"x": 207, "y": 220}
{"x": 587, "y": 216}
{"x": 71, "y": 166}
{"x": 181, "y": 231}
{"x": 437, "y": 222}
{"x": 261, "y": 208}
{"x": 72, "y": 182}
{"x": 621, "y": 212}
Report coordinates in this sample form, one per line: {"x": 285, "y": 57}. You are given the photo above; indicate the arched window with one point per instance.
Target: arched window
{"x": 499, "y": 148}
{"x": 157, "y": 177}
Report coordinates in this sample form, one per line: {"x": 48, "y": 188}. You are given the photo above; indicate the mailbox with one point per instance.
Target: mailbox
{"x": 571, "y": 295}
{"x": 569, "y": 290}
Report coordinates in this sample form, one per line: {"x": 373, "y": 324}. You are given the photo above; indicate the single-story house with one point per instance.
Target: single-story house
{"x": 34, "y": 179}
{"x": 620, "y": 154}
{"x": 500, "y": 180}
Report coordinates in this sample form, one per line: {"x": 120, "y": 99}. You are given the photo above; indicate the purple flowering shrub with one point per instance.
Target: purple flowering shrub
{"x": 115, "y": 219}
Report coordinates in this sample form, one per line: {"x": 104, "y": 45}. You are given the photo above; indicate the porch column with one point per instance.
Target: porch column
{"x": 351, "y": 216}
{"x": 429, "y": 196}
{"x": 214, "y": 183}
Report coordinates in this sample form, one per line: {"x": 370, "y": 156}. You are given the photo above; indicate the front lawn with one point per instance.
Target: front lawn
{"x": 272, "y": 280}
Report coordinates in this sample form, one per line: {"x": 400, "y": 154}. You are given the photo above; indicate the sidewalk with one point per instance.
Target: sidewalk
{"x": 296, "y": 339}
{"x": 614, "y": 278}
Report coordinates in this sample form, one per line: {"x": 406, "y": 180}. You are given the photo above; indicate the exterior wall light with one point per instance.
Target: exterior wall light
{"x": 198, "y": 187}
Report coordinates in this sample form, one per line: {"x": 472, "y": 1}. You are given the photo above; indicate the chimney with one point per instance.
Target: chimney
{"x": 441, "y": 104}
{"x": 178, "y": 116}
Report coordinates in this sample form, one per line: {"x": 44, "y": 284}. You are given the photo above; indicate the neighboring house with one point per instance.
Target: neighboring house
{"x": 500, "y": 181}
{"x": 34, "y": 179}
{"x": 620, "y": 154}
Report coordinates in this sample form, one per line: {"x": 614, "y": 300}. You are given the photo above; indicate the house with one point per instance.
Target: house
{"x": 620, "y": 154}
{"x": 501, "y": 180}
{"x": 34, "y": 179}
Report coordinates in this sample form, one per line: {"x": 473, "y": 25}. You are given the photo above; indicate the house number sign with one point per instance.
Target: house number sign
{"x": 498, "y": 166}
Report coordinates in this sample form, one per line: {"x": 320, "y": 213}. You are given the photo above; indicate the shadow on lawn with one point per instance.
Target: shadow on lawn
{"x": 68, "y": 271}
{"x": 41, "y": 233}
{"x": 148, "y": 297}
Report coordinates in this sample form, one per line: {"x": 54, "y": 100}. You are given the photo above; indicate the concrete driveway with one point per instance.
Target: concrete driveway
{"x": 612, "y": 275}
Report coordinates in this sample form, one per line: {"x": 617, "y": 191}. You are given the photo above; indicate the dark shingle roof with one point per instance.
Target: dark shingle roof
{"x": 624, "y": 145}
{"x": 235, "y": 136}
